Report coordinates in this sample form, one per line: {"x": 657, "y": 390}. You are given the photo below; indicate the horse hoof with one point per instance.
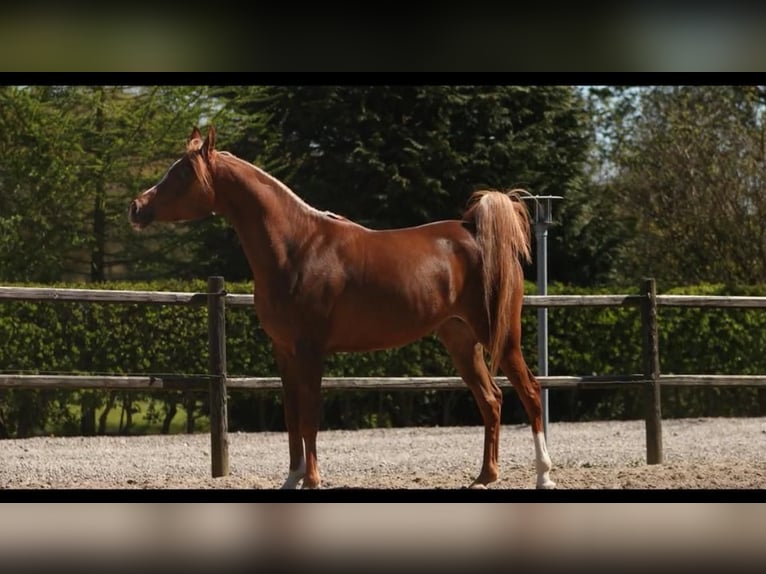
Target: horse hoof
{"x": 546, "y": 485}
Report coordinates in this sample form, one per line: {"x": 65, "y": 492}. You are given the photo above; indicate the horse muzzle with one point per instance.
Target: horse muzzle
{"x": 139, "y": 215}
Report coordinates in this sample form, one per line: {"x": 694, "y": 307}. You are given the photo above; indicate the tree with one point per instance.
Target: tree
{"x": 689, "y": 186}
{"x": 39, "y": 184}
{"x": 73, "y": 157}
{"x": 586, "y": 235}
{"x": 130, "y": 140}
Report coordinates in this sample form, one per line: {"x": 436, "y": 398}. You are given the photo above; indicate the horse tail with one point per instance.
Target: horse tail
{"x": 502, "y": 228}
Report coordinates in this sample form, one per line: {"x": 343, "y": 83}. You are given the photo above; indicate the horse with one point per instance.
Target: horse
{"x": 325, "y": 284}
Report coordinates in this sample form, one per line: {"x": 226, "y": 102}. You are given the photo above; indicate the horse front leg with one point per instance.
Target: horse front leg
{"x": 301, "y": 373}
{"x": 310, "y": 402}
{"x": 295, "y": 441}
{"x": 297, "y": 469}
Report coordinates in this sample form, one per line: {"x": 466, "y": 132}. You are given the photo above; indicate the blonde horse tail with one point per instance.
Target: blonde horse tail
{"x": 503, "y": 234}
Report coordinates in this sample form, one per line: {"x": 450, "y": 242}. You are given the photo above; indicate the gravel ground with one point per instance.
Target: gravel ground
{"x": 705, "y": 453}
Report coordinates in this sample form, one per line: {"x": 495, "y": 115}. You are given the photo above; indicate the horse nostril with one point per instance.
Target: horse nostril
{"x": 140, "y": 215}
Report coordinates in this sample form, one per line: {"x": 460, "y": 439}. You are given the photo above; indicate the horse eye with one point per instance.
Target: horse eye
{"x": 185, "y": 171}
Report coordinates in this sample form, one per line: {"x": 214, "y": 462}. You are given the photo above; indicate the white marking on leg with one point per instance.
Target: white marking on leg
{"x": 295, "y": 476}
{"x": 542, "y": 462}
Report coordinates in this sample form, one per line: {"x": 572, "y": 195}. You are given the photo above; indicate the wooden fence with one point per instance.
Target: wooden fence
{"x": 217, "y": 382}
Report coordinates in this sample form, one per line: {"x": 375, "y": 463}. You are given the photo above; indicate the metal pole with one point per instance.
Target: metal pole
{"x": 541, "y": 232}
{"x": 543, "y": 218}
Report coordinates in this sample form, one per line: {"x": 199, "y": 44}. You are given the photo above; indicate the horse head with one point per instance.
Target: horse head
{"x": 185, "y": 192}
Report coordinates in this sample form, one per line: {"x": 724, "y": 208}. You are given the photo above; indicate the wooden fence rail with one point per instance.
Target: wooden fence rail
{"x": 201, "y": 382}
{"x": 216, "y": 382}
{"x": 239, "y": 300}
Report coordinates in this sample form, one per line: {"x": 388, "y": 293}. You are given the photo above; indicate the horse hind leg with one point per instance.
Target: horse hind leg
{"x": 528, "y": 389}
{"x": 468, "y": 357}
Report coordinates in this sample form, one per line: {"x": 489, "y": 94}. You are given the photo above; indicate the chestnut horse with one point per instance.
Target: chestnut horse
{"x": 324, "y": 284}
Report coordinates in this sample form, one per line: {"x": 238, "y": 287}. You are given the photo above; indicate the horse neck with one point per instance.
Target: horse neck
{"x": 268, "y": 217}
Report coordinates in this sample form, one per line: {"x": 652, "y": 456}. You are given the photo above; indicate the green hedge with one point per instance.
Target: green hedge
{"x": 64, "y": 337}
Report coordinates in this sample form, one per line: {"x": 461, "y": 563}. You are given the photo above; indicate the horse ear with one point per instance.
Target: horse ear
{"x": 195, "y": 135}
{"x": 209, "y": 145}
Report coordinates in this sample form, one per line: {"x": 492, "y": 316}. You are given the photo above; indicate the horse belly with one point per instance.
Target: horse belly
{"x": 381, "y": 326}
{"x": 375, "y": 339}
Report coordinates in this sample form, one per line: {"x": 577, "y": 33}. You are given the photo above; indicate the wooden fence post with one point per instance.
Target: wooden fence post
{"x": 216, "y": 334}
{"x": 651, "y": 368}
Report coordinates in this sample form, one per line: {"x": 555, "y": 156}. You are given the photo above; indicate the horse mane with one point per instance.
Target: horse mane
{"x": 502, "y": 227}
{"x": 296, "y": 199}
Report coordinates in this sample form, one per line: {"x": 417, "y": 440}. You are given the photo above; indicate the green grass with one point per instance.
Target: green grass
{"x": 143, "y": 426}
{"x": 140, "y": 426}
